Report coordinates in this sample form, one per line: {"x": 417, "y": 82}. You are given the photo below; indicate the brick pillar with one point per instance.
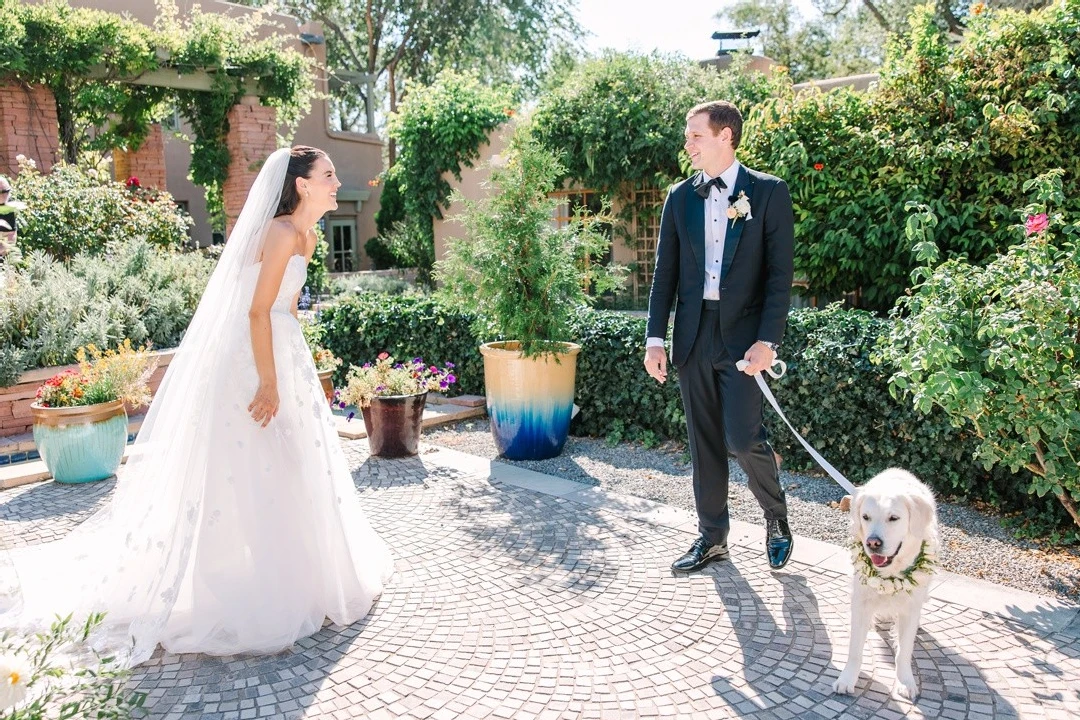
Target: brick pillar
{"x": 147, "y": 163}
{"x": 252, "y": 137}
{"x": 28, "y": 126}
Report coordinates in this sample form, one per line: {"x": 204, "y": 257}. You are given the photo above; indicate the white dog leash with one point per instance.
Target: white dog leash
{"x": 839, "y": 478}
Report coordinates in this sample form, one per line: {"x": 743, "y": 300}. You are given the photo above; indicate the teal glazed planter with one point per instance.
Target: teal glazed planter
{"x": 393, "y": 424}
{"x": 81, "y": 444}
{"x": 530, "y": 401}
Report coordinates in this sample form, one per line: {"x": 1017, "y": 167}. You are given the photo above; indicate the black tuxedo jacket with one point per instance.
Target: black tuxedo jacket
{"x": 755, "y": 275}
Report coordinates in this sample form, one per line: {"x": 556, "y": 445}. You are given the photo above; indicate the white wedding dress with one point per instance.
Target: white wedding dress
{"x": 221, "y": 536}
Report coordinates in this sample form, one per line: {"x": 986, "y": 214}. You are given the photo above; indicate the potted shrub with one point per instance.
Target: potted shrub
{"x": 526, "y": 278}
{"x": 80, "y": 418}
{"x": 391, "y": 397}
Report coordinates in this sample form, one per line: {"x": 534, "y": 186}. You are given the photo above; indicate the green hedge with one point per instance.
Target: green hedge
{"x": 360, "y": 326}
{"x": 832, "y": 393}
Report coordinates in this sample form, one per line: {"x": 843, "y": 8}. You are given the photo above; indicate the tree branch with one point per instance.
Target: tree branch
{"x": 955, "y": 26}
{"x": 345, "y": 43}
{"x": 877, "y": 15}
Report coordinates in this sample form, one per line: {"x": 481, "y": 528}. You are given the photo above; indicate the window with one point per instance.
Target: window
{"x": 647, "y": 205}
{"x": 343, "y": 245}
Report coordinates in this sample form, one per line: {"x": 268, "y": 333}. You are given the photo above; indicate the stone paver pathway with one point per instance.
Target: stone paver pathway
{"x": 518, "y": 595}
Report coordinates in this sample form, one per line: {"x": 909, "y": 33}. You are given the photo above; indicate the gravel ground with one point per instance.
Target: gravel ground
{"x": 974, "y": 543}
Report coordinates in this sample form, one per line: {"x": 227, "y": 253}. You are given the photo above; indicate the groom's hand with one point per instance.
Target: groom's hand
{"x": 760, "y": 356}
{"x": 656, "y": 363}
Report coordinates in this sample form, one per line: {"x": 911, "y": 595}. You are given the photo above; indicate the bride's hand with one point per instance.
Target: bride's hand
{"x": 265, "y": 405}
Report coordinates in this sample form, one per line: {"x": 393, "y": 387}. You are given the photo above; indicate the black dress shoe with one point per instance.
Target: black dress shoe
{"x": 700, "y": 554}
{"x": 778, "y": 542}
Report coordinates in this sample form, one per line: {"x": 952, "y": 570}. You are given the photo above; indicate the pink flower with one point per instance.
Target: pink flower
{"x": 1036, "y": 223}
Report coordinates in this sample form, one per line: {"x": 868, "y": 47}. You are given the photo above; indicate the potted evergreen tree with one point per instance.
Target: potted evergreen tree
{"x": 526, "y": 278}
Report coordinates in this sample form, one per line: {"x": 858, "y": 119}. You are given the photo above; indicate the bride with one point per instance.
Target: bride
{"x": 235, "y": 526}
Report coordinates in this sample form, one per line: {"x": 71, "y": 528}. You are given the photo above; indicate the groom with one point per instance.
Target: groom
{"x": 724, "y": 257}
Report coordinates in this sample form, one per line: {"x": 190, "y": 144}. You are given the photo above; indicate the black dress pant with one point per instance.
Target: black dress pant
{"x": 723, "y": 408}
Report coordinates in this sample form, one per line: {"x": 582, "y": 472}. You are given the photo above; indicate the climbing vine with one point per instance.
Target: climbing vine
{"x": 91, "y": 61}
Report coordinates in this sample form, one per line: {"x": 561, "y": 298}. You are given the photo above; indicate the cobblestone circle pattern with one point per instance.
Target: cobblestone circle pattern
{"x": 512, "y": 604}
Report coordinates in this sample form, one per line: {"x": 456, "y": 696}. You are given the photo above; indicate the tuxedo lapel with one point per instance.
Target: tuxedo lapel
{"x": 744, "y": 183}
{"x": 695, "y": 223}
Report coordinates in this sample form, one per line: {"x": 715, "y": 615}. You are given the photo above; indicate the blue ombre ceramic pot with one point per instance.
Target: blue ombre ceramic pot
{"x": 530, "y": 400}
{"x": 81, "y": 444}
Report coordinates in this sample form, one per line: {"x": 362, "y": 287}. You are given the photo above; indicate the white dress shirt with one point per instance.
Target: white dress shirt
{"x": 716, "y": 227}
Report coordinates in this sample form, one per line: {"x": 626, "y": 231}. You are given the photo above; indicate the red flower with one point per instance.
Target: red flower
{"x": 819, "y": 166}
{"x": 1036, "y": 223}
{"x": 132, "y": 183}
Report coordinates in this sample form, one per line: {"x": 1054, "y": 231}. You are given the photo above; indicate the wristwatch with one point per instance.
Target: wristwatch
{"x": 775, "y": 347}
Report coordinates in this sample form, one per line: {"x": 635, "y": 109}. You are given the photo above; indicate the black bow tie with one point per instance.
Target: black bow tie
{"x": 703, "y": 188}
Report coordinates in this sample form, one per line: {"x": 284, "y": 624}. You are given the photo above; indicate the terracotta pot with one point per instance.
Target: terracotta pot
{"x": 326, "y": 379}
{"x": 393, "y": 424}
{"x": 530, "y": 400}
{"x": 81, "y": 444}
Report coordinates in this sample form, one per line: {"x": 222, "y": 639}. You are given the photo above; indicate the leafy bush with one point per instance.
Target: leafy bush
{"x": 382, "y": 284}
{"x": 833, "y": 394}
{"x": 619, "y": 118}
{"x": 382, "y": 257}
{"x": 951, "y": 125}
{"x": 362, "y": 326}
{"x": 998, "y": 347}
{"x": 439, "y": 129}
{"x": 318, "y": 278}
{"x": 134, "y": 290}
{"x": 78, "y": 209}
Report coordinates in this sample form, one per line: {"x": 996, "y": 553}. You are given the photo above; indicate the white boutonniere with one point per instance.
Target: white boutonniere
{"x": 740, "y": 208}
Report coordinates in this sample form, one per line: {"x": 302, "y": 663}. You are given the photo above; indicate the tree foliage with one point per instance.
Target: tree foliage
{"x": 847, "y": 43}
{"x": 618, "y": 119}
{"x": 951, "y": 125}
{"x": 400, "y": 42}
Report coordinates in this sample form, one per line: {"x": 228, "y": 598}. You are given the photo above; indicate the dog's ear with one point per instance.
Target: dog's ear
{"x": 923, "y": 512}
{"x": 855, "y": 515}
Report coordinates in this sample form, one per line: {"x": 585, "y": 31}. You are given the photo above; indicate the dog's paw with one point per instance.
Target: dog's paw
{"x": 845, "y": 684}
{"x": 905, "y": 689}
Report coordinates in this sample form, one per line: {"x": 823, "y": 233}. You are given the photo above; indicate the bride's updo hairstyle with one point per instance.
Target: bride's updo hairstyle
{"x": 302, "y": 159}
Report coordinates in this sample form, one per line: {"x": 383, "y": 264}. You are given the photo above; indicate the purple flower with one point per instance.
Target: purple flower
{"x": 341, "y": 405}
{"x": 367, "y": 365}
{"x": 418, "y": 361}
{"x": 380, "y": 388}
{"x": 351, "y": 416}
{"x": 443, "y": 384}
{"x": 451, "y": 378}
{"x": 449, "y": 366}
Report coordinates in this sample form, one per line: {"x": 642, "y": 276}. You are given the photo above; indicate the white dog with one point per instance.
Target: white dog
{"x": 894, "y": 550}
